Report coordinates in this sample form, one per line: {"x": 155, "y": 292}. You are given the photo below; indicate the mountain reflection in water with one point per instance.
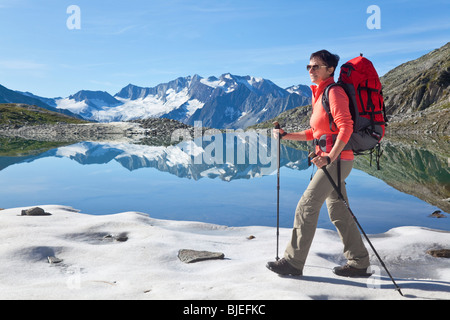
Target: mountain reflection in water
{"x": 230, "y": 185}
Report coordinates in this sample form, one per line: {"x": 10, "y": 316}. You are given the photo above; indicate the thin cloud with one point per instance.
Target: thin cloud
{"x": 21, "y": 65}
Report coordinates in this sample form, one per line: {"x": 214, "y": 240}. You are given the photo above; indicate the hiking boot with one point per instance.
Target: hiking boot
{"x": 349, "y": 271}
{"x": 283, "y": 267}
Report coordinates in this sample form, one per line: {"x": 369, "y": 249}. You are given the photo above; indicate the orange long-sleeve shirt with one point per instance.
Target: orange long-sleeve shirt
{"x": 320, "y": 123}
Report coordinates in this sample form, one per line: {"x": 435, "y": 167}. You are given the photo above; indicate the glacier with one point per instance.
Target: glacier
{"x": 229, "y": 101}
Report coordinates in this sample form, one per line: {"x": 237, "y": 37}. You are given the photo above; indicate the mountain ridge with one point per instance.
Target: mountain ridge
{"x": 11, "y": 96}
{"x": 232, "y": 101}
{"x": 229, "y": 101}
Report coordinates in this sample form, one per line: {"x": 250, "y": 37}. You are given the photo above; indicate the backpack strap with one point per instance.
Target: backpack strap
{"x": 384, "y": 108}
{"x": 326, "y": 104}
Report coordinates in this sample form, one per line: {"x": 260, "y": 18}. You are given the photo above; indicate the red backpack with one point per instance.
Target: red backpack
{"x": 360, "y": 81}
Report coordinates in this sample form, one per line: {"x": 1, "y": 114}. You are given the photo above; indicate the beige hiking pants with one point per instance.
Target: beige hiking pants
{"x": 307, "y": 214}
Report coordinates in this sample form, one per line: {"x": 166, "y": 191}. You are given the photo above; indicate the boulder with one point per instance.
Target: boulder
{"x": 54, "y": 260}
{"x": 190, "y": 256}
{"x": 36, "y": 211}
{"x": 439, "y": 253}
{"x": 437, "y": 214}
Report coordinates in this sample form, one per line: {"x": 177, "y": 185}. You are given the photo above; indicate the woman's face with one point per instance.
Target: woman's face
{"x": 319, "y": 73}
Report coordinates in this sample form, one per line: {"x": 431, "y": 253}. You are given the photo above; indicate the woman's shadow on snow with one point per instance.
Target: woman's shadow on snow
{"x": 382, "y": 282}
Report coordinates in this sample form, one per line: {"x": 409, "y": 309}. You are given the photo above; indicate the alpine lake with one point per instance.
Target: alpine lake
{"x": 226, "y": 179}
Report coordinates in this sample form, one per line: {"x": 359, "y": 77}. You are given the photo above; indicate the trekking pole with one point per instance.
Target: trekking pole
{"x": 277, "y": 126}
{"x": 335, "y": 187}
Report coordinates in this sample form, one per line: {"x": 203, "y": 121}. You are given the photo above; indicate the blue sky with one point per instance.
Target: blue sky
{"x": 147, "y": 42}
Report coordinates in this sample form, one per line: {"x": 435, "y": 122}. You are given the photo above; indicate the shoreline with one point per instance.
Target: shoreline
{"x": 430, "y": 124}
{"x": 117, "y": 131}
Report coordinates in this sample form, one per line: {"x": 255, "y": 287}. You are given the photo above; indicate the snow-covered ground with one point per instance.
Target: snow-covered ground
{"x": 146, "y": 266}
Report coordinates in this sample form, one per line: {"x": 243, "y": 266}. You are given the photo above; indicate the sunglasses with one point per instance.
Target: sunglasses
{"x": 314, "y": 67}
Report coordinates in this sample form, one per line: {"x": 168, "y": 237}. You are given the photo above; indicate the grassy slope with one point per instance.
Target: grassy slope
{"x": 12, "y": 114}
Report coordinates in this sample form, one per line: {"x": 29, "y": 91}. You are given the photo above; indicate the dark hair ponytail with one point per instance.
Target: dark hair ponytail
{"x": 330, "y": 59}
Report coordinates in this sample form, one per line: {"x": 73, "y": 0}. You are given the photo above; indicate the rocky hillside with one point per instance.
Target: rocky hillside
{"x": 419, "y": 84}
{"x": 417, "y": 95}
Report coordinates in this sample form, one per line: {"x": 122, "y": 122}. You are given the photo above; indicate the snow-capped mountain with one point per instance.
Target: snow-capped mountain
{"x": 139, "y": 102}
{"x": 87, "y": 103}
{"x": 244, "y": 101}
{"x": 229, "y": 101}
{"x": 301, "y": 90}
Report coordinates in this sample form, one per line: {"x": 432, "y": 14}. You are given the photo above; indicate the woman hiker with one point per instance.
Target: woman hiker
{"x": 321, "y": 71}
